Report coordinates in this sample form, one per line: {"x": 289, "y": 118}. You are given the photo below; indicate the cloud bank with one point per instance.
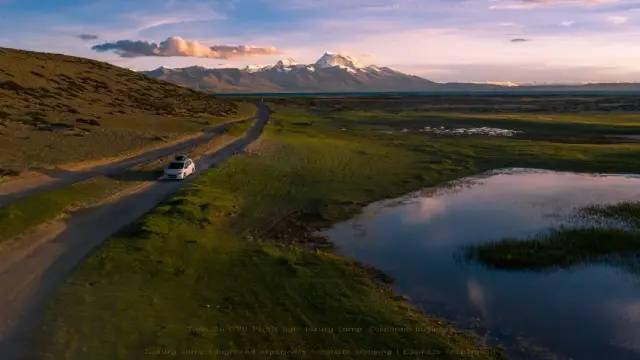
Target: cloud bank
{"x": 177, "y": 46}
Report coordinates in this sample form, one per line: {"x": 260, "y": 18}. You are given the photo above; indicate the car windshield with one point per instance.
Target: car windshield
{"x": 176, "y": 165}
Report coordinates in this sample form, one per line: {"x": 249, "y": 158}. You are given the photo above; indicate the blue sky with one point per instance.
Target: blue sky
{"x": 520, "y": 41}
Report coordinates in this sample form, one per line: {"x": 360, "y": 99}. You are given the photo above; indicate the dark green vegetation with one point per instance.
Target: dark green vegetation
{"x": 229, "y": 262}
{"x": 626, "y": 212}
{"x": 570, "y": 247}
{"x": 57, "y": 109}
{"x": 561, "y": 248}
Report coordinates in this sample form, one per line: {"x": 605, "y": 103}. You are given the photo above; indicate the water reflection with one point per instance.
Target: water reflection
{"x": 591, "y": 311}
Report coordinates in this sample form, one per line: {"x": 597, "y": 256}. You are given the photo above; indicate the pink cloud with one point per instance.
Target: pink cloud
{"x": 177, "y": 46}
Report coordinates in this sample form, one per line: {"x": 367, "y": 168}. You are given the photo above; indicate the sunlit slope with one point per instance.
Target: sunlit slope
{"x": 58, "y": 109}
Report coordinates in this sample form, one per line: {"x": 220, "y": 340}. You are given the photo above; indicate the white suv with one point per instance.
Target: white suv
{"x": 179, "y": 168}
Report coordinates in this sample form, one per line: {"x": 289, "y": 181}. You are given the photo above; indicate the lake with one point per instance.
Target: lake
{"x": 585, "y": 312}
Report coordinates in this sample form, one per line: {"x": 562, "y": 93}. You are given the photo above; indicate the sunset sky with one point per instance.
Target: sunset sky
{"x": 523, "y": 41}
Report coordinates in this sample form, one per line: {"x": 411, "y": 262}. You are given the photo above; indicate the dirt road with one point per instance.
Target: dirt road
{"x": 60, "y": 178}
{"x": 27, "y": 283}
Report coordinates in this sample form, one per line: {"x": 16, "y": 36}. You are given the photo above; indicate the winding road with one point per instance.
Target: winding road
{"x": 27, "y": 282}
{"x": 61, "y": 178}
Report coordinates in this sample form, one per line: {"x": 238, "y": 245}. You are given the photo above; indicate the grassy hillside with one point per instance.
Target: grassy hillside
{"x": 59, "y": 109}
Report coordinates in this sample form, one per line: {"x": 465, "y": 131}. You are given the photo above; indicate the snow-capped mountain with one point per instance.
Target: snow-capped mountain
{"x": 286, "y": 62}
{"x": 329, "y": 60}
{"x": 331, "y": 73}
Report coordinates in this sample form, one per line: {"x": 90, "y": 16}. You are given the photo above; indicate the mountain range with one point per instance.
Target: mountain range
{"x": 334, "y": 73}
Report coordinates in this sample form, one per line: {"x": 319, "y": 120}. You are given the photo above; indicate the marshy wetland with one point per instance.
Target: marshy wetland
{"x": 587, "y": 309}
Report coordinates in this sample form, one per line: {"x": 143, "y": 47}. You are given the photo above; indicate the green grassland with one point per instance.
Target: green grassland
{"x": 590, "y": 119}
{"x": 558, "y": 126}
{"x": 57, "y": 109}
{"x": 213, "y": 259}
{"x": 233, "y": 261}
{"x": 568, "y": 128}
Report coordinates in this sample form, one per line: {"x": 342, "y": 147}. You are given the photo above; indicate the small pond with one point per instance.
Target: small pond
{"x": 585, "y": 312}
